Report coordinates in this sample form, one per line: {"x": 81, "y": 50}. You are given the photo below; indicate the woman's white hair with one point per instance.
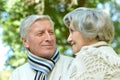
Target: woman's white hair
{"x": 92, "y": 23}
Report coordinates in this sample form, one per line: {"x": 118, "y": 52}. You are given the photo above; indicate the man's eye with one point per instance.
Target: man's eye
{"x": 40, "y": 33}
{"x": 51, "y": 32}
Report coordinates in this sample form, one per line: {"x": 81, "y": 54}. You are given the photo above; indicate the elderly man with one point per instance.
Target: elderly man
{"x": 44, "y": 60}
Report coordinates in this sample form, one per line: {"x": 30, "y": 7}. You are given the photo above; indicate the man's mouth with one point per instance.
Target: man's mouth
{"x": 48, "y": 45}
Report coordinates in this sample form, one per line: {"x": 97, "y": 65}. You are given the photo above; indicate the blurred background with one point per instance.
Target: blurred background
{"x": 12, "y": 52}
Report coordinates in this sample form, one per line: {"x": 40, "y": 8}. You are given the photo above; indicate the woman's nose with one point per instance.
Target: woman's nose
{"x": 69, "y": 39}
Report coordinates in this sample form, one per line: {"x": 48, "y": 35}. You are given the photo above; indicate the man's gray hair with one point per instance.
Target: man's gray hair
{"x": 28, "y": 21}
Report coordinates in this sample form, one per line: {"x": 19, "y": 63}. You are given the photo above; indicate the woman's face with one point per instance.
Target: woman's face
{"x": 76, "y": 39}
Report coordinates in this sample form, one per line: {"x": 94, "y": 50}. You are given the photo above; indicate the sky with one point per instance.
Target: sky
{"x": 3, "y": 52}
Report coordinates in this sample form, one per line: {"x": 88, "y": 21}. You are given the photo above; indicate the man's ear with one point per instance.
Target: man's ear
{"x": 25, "y": 42}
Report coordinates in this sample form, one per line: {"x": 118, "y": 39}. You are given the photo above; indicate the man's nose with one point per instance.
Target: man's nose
{"x": 47, "y": 36}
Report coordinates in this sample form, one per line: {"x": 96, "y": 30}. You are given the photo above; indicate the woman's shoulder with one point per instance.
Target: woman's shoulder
{"x": 97, "y": 56}
{"x": 93, "y": 62}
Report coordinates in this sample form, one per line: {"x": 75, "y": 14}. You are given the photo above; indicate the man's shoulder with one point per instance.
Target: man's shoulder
{"x": 22, "y": 68}
{"x": 65, "y": 57}
{"x": 24, "y": 65}
{"x": 21, "y": 73}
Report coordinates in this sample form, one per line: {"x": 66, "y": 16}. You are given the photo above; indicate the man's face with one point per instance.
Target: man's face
{"x": 41, "y": 39}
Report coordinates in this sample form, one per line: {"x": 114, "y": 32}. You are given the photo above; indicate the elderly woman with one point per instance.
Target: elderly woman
{"x": 91, "y": 31}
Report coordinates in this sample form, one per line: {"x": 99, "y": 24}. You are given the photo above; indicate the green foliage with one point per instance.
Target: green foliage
{"x": 4, "y": 75}
{"x": 18, "y": 9}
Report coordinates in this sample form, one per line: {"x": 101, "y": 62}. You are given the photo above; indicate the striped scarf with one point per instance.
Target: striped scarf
{"x": 42, "y": 66}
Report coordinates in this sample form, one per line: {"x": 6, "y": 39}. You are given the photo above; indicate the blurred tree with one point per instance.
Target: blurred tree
{"x": 4, "y": 75}
{"x": 13, "y": 11}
